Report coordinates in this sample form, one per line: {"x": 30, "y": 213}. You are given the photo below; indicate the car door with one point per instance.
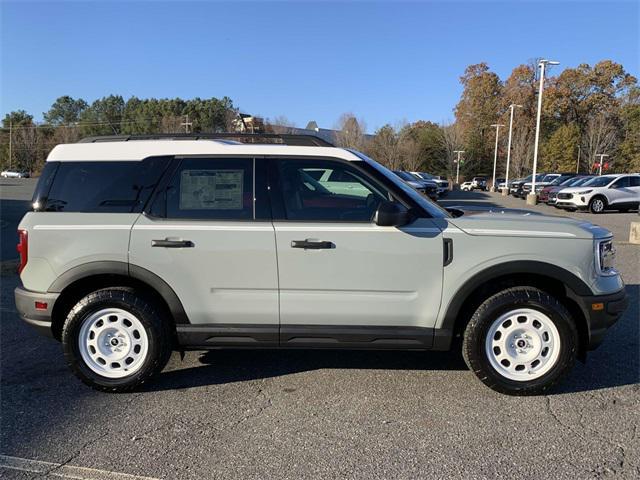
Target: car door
{"x": 209, "y": 236}
{"x": 619, "y": 192}
{"x": 634, "y": 182}
{"x": 345, "y": 281}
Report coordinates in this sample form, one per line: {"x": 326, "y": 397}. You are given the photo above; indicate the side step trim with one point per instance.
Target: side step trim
{"x": 306, "y": 336}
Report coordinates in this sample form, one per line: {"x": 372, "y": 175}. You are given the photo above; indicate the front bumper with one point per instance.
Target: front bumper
{"x": 601, "y": 312}
{"x": 40, "y": 318}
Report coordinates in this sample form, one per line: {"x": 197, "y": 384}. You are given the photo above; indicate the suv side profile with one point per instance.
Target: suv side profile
{"x": 606, "y": 192}
{"x": 137, "y": 247}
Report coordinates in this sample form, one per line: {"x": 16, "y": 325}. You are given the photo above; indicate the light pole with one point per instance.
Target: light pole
{"x": 458, "y": 165}
{"x": 505, "y": 190}
{"x": 601, "y": 155}
{"x": 532, "y": 198}
{"x": 578, "y": 162}
{"x": 495, "y": 155}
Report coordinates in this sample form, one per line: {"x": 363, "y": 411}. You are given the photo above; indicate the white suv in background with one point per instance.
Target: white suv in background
{"x": 607, "y": 192}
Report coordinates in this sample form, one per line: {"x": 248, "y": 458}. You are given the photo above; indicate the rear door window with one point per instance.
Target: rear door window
{"x": 210, "y": 189}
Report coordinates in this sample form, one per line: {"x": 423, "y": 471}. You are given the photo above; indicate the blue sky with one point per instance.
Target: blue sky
{"x": 385, "y": 61}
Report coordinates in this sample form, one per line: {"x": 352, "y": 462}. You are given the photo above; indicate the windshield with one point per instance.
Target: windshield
{"x": 425, "y": 176}
{"x": 562, "y": 179}
{"x": 576, "y": 182}
{"x": 549, "y": 178}
{"x": 435, "y": 210}
{"x": 405, "y": 176}
{"x": 600, "y": 181}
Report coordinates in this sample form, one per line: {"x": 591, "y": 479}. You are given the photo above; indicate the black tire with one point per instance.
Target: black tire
{"x": 597, "y": 204}
{"x": 155, "y": 323}
{"x": 475, "y": 355}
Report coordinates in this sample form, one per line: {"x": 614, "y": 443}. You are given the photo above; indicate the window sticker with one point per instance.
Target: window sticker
{"x": 211, "y": 189}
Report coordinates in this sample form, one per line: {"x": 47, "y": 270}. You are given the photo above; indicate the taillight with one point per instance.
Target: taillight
{"x": 23, "y": 249}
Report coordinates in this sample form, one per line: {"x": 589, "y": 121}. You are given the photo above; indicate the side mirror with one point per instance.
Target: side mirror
{"x": 391, "y": 214}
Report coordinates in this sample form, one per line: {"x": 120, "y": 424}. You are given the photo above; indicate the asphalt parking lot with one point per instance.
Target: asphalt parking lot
{"x": 304, "y": 414}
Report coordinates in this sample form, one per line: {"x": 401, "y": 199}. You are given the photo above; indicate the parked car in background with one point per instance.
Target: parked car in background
{"x": 576, "y": 182}
{"x": 519, "y": 191}
{"x": 339, "y": 182}
{"x": 515, "y": 184}
{"x": 549, "y": 193}
{"x": 14, "y": 174}
{"x": 607, "y": 192}
{"x": 442, "y": 184}
{"x": 479, "y": 183}
{"x": 465, "y": 187}
{"x": 426, "y": 187}
{"x": 540, "y": 184}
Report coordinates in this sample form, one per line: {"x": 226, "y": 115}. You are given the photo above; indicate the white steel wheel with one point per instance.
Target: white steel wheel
{"x": 113, "y": 343}
{"x": 522, "y": 344}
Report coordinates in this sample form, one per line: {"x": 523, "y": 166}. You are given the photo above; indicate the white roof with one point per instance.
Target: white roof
{"x": 140, "y": 149}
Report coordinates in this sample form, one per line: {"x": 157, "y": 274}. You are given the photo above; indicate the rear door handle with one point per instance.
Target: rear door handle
{"x": 312, "y": 244}
{"x": 171, "y": 243}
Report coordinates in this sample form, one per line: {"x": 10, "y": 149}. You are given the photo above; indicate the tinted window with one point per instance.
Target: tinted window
{"x": 621, "y": 183}
{"x": 211, "y": 189}
{"x": 41, "y": 192}
{"x": 308, "y": 199}
{"x": 599, "y": 181}
{"x": 103, "y": 187}
{"x": 635, "y": 181}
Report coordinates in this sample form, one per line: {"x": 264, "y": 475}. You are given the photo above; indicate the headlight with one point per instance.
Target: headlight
{"x": 606, "y": 254}
{"x": 584, "y": 192}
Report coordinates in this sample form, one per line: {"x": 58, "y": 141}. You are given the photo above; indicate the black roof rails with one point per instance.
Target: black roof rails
{"x": 269, "y": 138}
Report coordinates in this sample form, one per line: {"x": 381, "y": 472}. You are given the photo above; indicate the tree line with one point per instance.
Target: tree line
{"x": 69, "y": 120}
{"x": 587, "y": 110}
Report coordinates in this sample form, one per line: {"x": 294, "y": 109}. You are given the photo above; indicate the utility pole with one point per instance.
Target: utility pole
{"x": 601, "y": 155}
{"x": 186, "y": 124}
{"x": 495, "y": 155}
{"x": 532, "y": 198}
{"x": 458, "y": 165}
{"x": 505, "y": 190}
{"x": 10, "y": 142}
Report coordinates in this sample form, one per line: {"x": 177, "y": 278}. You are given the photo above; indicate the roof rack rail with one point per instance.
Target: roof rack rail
{"x": 273, "y": 138}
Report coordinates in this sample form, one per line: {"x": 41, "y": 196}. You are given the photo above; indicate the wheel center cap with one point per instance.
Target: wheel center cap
{"x": 521, "y": 343}
{"x": 114, "y": 341}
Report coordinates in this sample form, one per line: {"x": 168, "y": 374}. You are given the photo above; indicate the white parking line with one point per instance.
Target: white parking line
{"x": 63, "y": 471}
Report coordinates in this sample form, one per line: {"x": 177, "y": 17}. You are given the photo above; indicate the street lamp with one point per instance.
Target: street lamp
{"x": 532, "y": 198}
{"x": 505, "y": 190}
{"x": 495, "y": 155}
{"x": 601, "y": 155}
{"x": 458, "y": 166}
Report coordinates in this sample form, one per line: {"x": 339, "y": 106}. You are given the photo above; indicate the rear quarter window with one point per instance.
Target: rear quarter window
{"x": 102, "y": 187}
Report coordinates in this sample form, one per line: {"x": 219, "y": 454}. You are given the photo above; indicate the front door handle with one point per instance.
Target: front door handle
{"x": 172, "y": 243}
{"x": 312, "y": 244}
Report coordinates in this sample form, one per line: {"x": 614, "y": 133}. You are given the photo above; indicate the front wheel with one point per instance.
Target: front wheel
{"x": 597, "y": 205}
{"x": 115, "y": 339}
{"x": 521, "y": 341}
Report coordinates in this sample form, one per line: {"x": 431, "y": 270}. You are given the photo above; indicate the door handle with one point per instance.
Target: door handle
{"x": 312, "y": 244}
{"x": 172, "y": 243}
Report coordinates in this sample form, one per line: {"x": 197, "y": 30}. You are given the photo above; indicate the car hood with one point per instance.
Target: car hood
{"x": 488, "y": 221}
{"x": 576, "y": 189}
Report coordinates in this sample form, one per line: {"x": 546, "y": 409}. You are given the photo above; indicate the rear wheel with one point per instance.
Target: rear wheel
{"x": 521, "y": 341}
{"x": 114, "y": 339}
{"x": 597, "y": 205}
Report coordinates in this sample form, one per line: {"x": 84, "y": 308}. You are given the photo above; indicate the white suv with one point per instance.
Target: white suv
{"x": 607, "y": 192}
